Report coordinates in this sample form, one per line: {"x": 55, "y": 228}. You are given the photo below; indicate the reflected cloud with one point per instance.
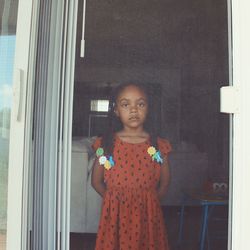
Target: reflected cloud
{"x": 5, "y": 95}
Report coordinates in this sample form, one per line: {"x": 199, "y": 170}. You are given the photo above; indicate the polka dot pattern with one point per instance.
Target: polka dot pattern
{"x": 131, "y": 214}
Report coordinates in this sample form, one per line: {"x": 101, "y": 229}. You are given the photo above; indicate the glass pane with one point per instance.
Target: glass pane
{"x": 179, "y": 51}
{"x": 99, "y": 105}
{"x": 8, "y": 14}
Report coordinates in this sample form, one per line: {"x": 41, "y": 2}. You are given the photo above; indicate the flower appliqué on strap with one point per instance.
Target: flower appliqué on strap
{"x": 156, "y": 155}
{"x": 107, "y": 162}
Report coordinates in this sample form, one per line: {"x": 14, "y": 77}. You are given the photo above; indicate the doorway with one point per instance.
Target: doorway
{"x": 180, "y": 50}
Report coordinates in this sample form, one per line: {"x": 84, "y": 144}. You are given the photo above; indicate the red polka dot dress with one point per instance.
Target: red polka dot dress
{"x": 131, "y": 215}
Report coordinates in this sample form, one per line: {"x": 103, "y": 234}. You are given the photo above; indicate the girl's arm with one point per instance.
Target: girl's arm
{"x": 164, "y": 179}
{"x": 97, "y": 178}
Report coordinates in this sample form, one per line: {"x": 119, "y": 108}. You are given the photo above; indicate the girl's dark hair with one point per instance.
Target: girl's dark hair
{"x": 114, "y": 124}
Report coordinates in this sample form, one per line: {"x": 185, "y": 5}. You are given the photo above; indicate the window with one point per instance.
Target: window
{"x": 7, "y": 51}
{"x": 99, "y": 105}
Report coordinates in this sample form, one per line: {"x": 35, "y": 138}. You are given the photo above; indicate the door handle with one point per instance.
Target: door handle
{"x": 18, "y": 93}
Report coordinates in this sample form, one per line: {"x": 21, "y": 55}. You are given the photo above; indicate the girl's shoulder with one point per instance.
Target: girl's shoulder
{"x": 97, "y": 143}
{"x": 164, "y": 145}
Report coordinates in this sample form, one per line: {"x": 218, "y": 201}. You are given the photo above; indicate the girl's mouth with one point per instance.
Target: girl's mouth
{"x": 134, "y": 118}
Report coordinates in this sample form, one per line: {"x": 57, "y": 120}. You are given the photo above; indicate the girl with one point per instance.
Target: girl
{"x": 131, "y": 174}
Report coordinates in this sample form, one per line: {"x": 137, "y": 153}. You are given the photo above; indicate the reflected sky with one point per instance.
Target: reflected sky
{"x": 7, "y": 53}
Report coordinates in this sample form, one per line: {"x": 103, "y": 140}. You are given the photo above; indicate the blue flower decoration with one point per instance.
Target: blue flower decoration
{"x": 157, "y": 157}
{"x": 112, "y": 163}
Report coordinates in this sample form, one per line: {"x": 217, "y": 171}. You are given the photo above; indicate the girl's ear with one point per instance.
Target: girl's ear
{"x": 116, "y": 112}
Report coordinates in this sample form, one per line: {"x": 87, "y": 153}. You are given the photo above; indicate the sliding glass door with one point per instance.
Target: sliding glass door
{"x": 8, "y": 20}
{"x": 17, "y": 49}
{"x": 15, "y": 111}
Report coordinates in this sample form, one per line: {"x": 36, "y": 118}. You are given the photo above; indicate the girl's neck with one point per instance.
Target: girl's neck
{"x": 137, "y": 132}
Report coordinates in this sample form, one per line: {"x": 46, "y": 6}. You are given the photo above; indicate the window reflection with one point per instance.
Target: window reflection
{"x": 7, "y": 50}
{"x": 8, "y": 17}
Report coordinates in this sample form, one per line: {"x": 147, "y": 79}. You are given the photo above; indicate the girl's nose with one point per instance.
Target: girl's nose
{"x": 133, "y": 108}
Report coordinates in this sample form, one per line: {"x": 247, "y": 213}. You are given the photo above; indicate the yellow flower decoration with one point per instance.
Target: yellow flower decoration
{"x": 107, "y": 165}
{"x": 151, "y": 151}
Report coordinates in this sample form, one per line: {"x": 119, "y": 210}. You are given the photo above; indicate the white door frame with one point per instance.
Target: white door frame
{"x": 21, "y": 125}
{"x": 240, "y": 200}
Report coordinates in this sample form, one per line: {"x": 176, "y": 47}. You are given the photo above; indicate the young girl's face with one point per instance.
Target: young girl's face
{"x": 132, "y": 107}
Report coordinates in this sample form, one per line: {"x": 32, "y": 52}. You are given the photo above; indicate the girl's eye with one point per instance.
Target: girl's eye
{"x": 124, "y": 105}
{"x": 141, "y": 105}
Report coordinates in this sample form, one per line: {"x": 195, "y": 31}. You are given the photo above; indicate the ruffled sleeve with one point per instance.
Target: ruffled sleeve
{"x": 164, "y": 146}
{"x": 97, "y": 143}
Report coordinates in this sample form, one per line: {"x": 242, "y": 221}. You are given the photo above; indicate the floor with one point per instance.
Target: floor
{"x": 171, "y": 214}
{"x": 190, "y": 239}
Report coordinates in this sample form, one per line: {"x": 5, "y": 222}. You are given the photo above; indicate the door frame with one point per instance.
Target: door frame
{"x": 240, "y": 158}
{"x": 20, "y": 146}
